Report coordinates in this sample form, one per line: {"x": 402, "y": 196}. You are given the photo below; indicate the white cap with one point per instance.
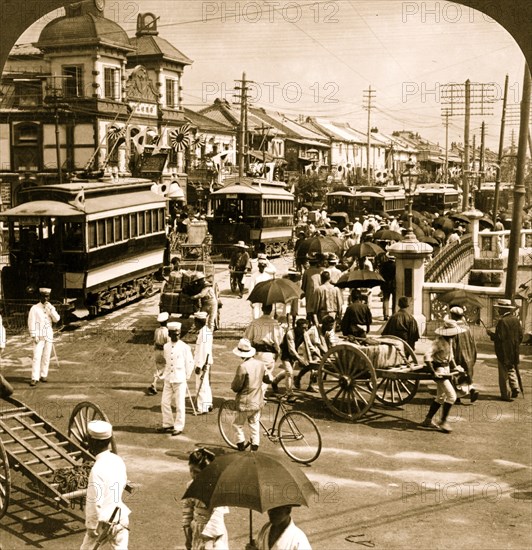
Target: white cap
{"x": 100, "y": 429}
{"x": 201, "y": 315}
{"x": 174, "y": 325}
{"x": 44, "y": 290}
{"x": 162, "y": 317}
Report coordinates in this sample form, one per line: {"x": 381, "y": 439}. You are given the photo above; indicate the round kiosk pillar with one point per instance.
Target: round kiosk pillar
{"x": 410, "y": 255}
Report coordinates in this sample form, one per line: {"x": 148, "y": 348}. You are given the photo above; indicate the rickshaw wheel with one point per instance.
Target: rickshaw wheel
{"x": 397, "y": 392}
{"x": 5, "y": 481}
{"x": 347, "y": 381}
{"x": 78, "y": 429}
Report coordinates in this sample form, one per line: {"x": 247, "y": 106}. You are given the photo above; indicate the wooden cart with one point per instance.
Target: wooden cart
{"x": 37, "y": 449}
{"x": 351, "y": 375}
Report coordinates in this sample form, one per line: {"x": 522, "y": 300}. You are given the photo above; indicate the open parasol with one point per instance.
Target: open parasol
{"x": 320, "y": 245}
{"x": 364, "y": 249}
{"x": 460, "y": 297}
{"x": 257, "y": 481}
{"x": 387, "y": 235}
{"x": 359, "y": 278}
{"x": 274, "y": 291}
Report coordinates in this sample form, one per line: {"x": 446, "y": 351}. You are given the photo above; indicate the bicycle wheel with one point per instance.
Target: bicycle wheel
{"x": 299, "y": 437}
{"x": 226, "y": 417}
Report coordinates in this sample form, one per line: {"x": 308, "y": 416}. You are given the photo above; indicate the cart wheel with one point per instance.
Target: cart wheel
{"x": 82, "y": 414}
{"x": 226, "y": 417}
{"x": 397, "y": 392}
{"x": 5, "y": 481}
{"x": 347, "y": 381}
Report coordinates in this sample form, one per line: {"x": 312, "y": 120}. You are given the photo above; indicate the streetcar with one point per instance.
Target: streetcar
{"x": 435, "y": 197}
{"x": 485, "y": 196}
{"x": 347, "y": 205}
{"x": 96, "y": 244}
{"x": 254, "y": 210}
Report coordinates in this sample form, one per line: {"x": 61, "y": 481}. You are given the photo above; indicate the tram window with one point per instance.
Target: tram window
{"x": 109, "y": 233}
{"x": 72, "y": 236}
{"x": 92, "y": 235}
{"x": 161, "y": 219}
{"x": 149, "y": 215}
{"x": 100, "y": 232}
{"x": 133, "y": 225}
{"x": 125, "y": 227}
{"x": 141, "y": 224}
{"x": 253, "y": 207}
{"x": 118, "y": 228}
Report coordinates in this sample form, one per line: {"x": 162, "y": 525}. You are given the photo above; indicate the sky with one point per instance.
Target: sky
{"x": 316, "y": 58}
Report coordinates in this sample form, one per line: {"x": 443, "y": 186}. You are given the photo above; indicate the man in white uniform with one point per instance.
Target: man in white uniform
{"x": 179, "y": 365}
{"x": 280, "y": 533}
{"x": 203, "y": 361}
{"x": 40, "y": 320}
{"x": 107, "y": 482}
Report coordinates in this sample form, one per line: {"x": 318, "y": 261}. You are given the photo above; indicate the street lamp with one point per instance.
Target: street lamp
{"x": 409, "y": 180}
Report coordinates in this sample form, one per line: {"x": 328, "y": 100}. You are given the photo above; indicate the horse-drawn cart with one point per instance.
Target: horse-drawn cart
{"x": 354, "y": 373}
{"x": 39, "y": 451}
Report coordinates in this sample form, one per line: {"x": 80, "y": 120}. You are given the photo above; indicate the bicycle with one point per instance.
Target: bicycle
{"x": 297, "y": 433}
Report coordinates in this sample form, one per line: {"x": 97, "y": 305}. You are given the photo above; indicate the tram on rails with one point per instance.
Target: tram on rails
{"x": 344, "y": 206}
{"x": 485, "y": 196}
{"x": 254, "y": 210}
{"x": 96, "y": 244}
{"x": 435, "y": 197}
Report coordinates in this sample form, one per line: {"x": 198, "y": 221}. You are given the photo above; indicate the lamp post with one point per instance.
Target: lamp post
{"x": 409, "y": 180}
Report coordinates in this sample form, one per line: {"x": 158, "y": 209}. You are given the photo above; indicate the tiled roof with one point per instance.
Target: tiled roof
{"x": 149, "y": 45}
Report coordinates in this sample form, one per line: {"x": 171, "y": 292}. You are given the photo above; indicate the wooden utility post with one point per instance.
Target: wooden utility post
{"x": 501, "y": 152}
{"x": 446, "y": 114}
{"x": 519, "y": 191}
{"x": 465, "y": 164}
{"x": 242, "y": 142}
{"x": 369, "y": 95}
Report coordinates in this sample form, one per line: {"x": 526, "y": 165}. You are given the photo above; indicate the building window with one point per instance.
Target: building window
{"x": 112, "y": 83}
{"x": 172, "y": 97}
{"x": 28, "y": 94}
{"x": 73, "y": 83}
{"x": 26, "y": 150}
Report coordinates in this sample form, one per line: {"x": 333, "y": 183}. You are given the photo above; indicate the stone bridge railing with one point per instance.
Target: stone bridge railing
{"x": 452, "y": 263}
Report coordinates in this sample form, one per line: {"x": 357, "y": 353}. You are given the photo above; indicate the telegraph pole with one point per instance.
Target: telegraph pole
{"x": 243, "y": 129}
{"x": 446, "y": 114}
{"x": 465, "y": 163}
{"x": 501, "y": 152}
{"x": 369, "y": 96}
{"x": 519, "y": 191}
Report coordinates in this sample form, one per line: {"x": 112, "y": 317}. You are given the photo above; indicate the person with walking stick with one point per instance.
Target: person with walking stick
{"x": 507, "y": 336}
{"x": 202, "y": 363}
{"x": 40, "y": 320}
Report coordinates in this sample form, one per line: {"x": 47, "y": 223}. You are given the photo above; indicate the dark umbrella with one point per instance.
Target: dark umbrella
{"x": 430, "y": 240}
{"x": 320, "y": 245}
{"x": 257, "y": 481}
{"x": 364, "y": 249}
{"x": 486, "y": 222}
{"x": 418, "y": 232}
{"x": 439, "y": 234}
{"x": 460, "y": 297}
{"x": 417, "y": 217}
{"x": 387, "y": 235}
{"x": 444, "y": 223}
{"x": 460, "y": 218}
{"x": 359, "y": 278}
{"x": 275, "y": 291}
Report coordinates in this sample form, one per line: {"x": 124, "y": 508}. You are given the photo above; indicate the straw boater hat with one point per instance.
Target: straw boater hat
{"x": 241, "y": 244}
{"x": 505, "y": 304}
{"x": 44, "y": 290}
{"x": 162, "y": 317}
{"x": 457, "y": 310}
{"x": 244, "y": 349}
{"x": 99, "y": 429}
{"x": 450, "y": 328}
{"x": 174, "y": 326}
